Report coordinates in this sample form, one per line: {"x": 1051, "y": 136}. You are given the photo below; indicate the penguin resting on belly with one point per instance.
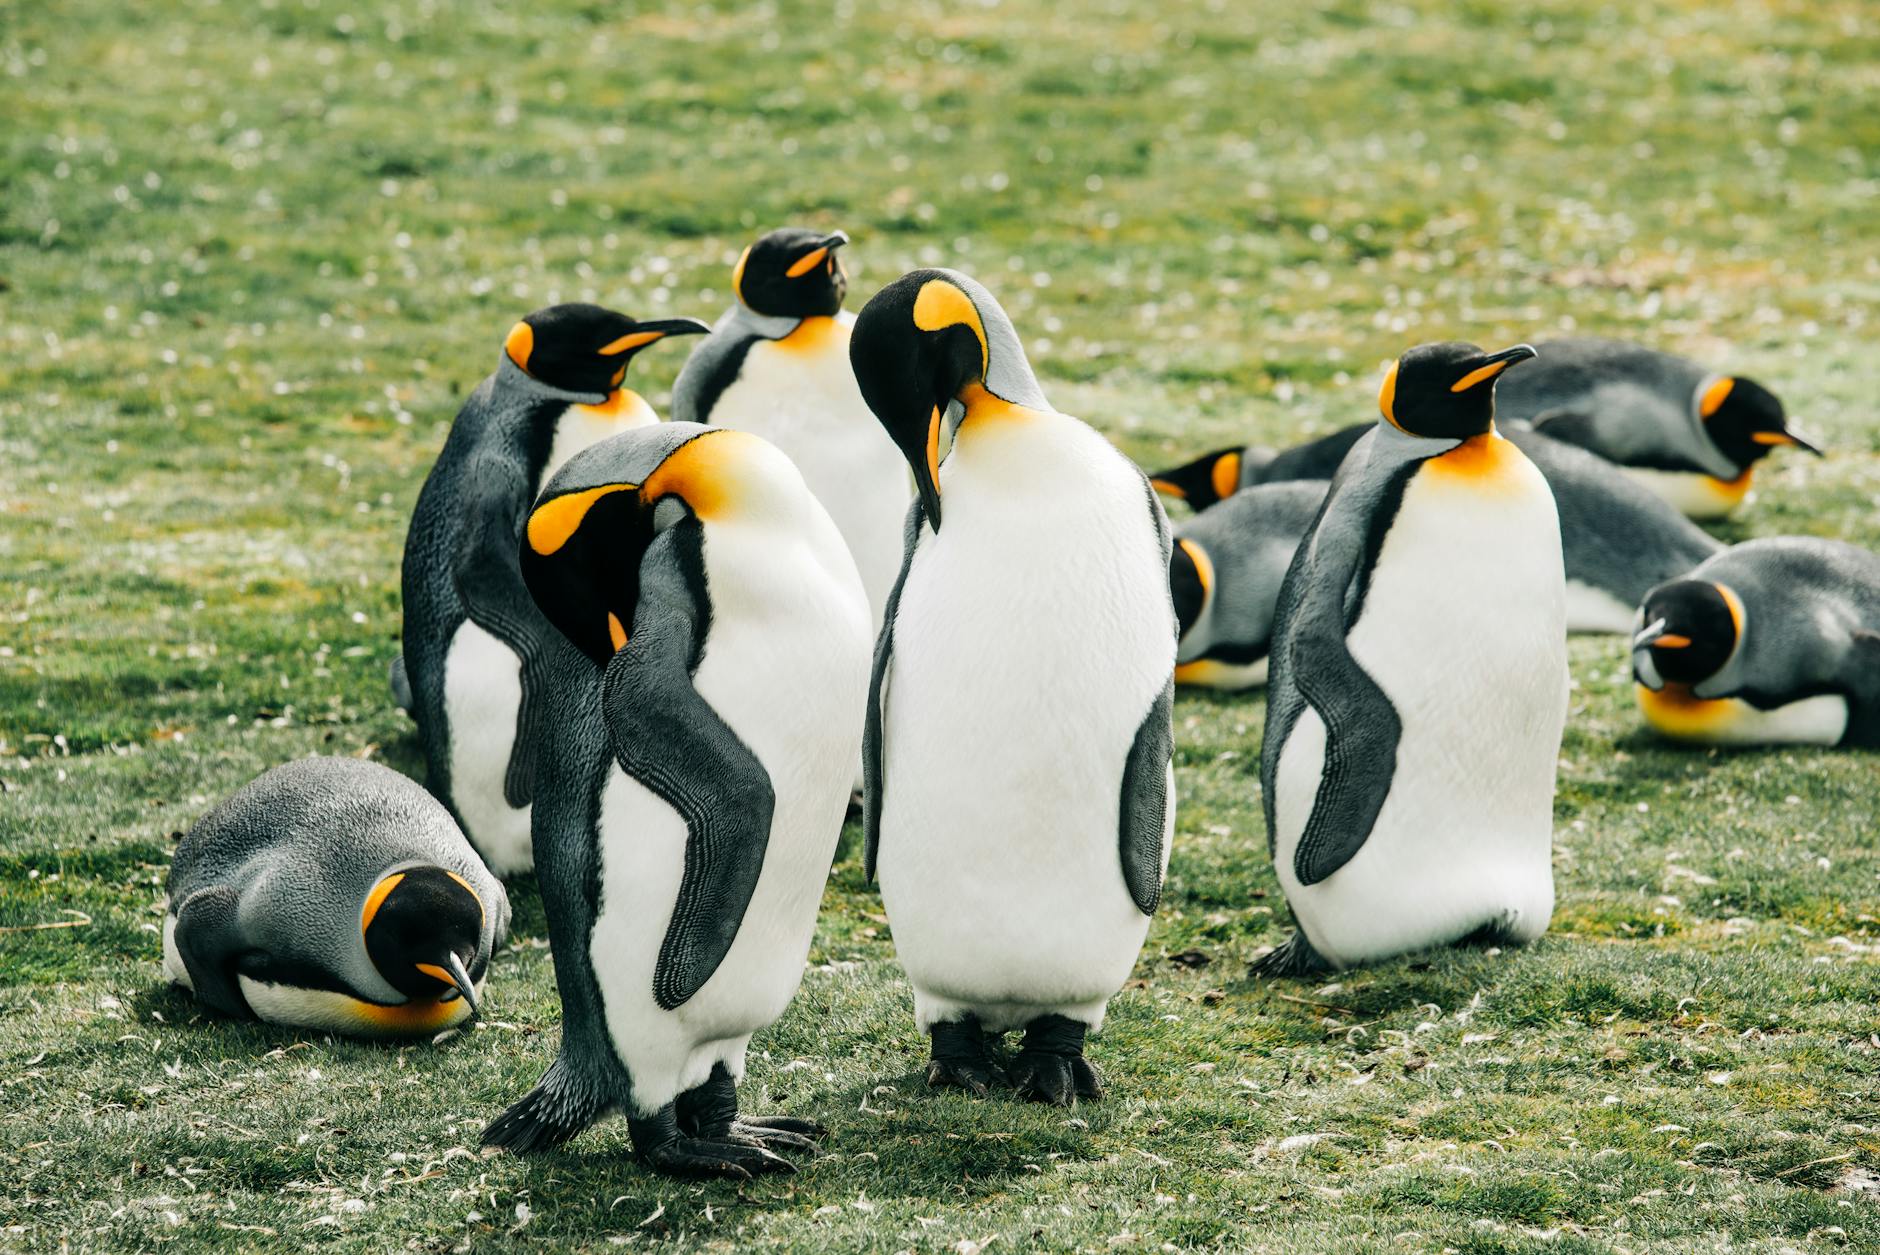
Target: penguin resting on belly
{"x": 1419, "y": 683}
{"x": 1020, "y": 796}
{"x": 472, "y": 670}
{"x": 333, "y": 894}
{"x": 700, "y": 747}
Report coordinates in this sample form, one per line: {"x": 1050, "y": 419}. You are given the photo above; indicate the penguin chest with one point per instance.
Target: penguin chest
{"x": 1676, "y": 712}
{"x": 1693, "y": 493}
{"x": 583, "y": 425}
{"x": 1463, "y": 628}
{"x": 342, "y": 1013}
{"x": 482, "y": 699}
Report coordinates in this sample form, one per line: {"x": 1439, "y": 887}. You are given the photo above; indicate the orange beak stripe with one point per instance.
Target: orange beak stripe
{"x": 806, "y": 263}
{"x": 1479, "y": 375}
{"x": 615, "y": 632}
{"x": 632, "y": 340}
{"x": 1162, "y": 485}
{"x": 1671, "y": 640}
{"x": 436, "y": 973}
{"x": 1772, "y": 437}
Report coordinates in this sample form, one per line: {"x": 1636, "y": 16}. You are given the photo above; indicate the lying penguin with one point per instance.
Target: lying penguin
{"x": 1419, "y": 683}
{"x": 777, "y": 365}
{"x": 1775, "y": 641}
{"x": 473, "y": 669}
{"x": 1619, "y": 540}
{"x": 332, "y": 893}
{"x": 707, "y": 720}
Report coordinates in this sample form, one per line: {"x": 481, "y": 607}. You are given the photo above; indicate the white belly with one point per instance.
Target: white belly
{"x": 482, "y": 694}
{"x": 792, "y": 681}
{"x": 1817, "y": 720}
{"x": 340, "y": 1013}
{"x": 1693, "y": 494}
{"x": 583, "y": 425}
{"x": 1033, "y": 635}
{"x": 808, "y": 405}
{"x": 1592, "y": 609}
{"x": 1464, "y": 630}
{"x": 174, "y": 969}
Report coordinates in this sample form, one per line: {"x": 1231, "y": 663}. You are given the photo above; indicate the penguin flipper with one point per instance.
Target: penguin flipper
{"x": 487, "y": 570}
{"x": 209, "y": 939}
{"x": 872, "y": 730}
{"x": 548, "y": 1115}
{"x": 1147, "y": 801}
{"x": 1861, "y": 674}
{"x": 671, "y": 740}
{"x": 401, "y": 684}
{"x": 1293, "y": 957}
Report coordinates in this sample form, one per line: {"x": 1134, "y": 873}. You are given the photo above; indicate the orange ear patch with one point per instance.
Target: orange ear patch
{"x": 1714, "y": 396}
{"x": 1204, "y": 566}
{"x": 737, "y": 273}
{"x": 519, "y": 344}
{"x": 376, "y": 899}
{"x": 940, "y": 305}
{"x": 1225, "y": 475}
{"x": 556, "y": 520}
{"x": 1387, "y": 397}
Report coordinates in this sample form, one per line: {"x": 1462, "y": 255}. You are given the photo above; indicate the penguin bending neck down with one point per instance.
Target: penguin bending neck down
{"x": 1418, "y": 683}
{"x": 698, "y": 764}
{"x": 1019, "y": 797}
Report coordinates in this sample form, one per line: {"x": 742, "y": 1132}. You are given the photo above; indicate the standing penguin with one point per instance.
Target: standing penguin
{"x": 1687, "y": 433}
{"x": 1020, "y": 792}
{"x": 1419, "y": 683}
{"x": 701, "y": 751}
{"x": 1770, "y": 642}
{"x": 777, "y": 364}
{"x": 332, "y": 893}
{"x": 472, "y": 671}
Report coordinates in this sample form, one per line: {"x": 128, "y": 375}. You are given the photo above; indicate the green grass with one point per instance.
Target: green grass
{"x": 251, "y": 257}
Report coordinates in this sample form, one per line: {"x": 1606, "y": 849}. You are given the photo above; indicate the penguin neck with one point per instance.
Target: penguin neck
{"x": 980, "y": 404}
{"x": 623, "y": 406}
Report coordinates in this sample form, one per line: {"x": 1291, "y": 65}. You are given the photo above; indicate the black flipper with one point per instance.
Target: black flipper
{"x": 1860, "y": 673}
{"x": 670, "y": 739}
{"x": 1312, "y": 665}
{"x": 555, "y": 1110}
{"x": 210, "y": 940}
{"x": 1294, "y": 957}
{"x": 872, "y": 780}
{"x": 1146, "y": 799}
{"x": 401, "y": 685}
{"x": 487, "y": 569}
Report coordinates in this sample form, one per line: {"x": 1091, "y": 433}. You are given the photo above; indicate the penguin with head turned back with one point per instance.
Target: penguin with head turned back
{"x": 1687, "y": 433}
{"x": 699, "y": 762}
{"x": 1020, "y": 793}
{"x": 335, "y": 894}
{"x": 777, "y": 364}
{"x": 1773, "y": 641}
{"x": 1419, "y": 683}
{"x": 472, "y": 671}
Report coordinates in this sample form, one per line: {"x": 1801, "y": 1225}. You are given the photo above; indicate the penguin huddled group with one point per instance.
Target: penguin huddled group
{"x": 648, "y": 660}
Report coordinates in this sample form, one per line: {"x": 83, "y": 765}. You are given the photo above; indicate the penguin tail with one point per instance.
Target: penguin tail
{"x": 401, "y": 684}
{"x": 1294, "y": 957}
{"x": 548, "y": 1115}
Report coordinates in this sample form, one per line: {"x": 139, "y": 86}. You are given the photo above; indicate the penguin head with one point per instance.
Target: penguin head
{"x": 1445, "y": 391}
{"x": 1204, "y": 481}
{"x": 793, "y": 273}
{"x": 918, "y": 347}
{"x": 592, "y": 525}
{"x": 1689, "y": 629}
{"x": 585, "y": 348}
{"x": 423, "y": 929}
{"x": 1746, "y": 420}
{"x": 1190, "y": 583}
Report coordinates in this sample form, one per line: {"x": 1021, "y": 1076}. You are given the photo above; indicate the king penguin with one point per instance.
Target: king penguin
{"x": 333, "y": 894}
{"x": 1773, "y": 641}
{"x": 472, "y": 670}
{"x": 777, "y": 365}
{"x": 1419, "y": 683}
{"x": 702, "y": 747}
{"x": 1020, "y": 793}
{"x": 1686, "y": 432}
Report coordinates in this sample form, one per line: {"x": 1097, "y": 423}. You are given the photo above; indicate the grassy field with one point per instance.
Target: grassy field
{"x": 251, "y": 258}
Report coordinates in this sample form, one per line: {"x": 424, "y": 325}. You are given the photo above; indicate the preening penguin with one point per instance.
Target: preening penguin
{"x": 1020, "y": 793}
{"x": 1687, "y": 433}
{"x": 472, "y": 673}
{"x": 1419, "y": 683}
{"x": 777, "y": 364}
{"x": 1770, "y": 642}
{"x": 333, "y": 893}
{"x": 698, "y": 764}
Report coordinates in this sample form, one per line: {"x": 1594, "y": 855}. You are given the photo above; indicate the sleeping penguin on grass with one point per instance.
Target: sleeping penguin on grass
{"x": 698, "y": 756}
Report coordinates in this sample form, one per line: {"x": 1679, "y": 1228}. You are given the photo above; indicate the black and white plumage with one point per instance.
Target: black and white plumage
{"x": 699, "y": 751}
{"x": 332, "y": 893}
{"x": 474, "y": 655}
{"x": 1020, "y": 794}
{"x": 1419, "y": 683}
{"x": 1773, "y": 641}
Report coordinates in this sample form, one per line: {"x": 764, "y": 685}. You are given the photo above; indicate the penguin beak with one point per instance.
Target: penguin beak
{"x": 647, "y": 332}
{"x": 816, "y": 256}
{"x": 835, "y": 239}
{"x": 1788, "y": 435}
{"x": 1492, "y": 365}
{"x": 1653, "y": 635}
{"x": 926, "y": 464}
{"x": 454, "y": 972}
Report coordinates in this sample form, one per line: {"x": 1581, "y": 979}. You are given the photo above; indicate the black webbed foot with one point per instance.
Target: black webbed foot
{"x": 962, "y": 1057}
{"x": 709, "y": 1111}
{"x": 1051, "y": 1066}
{"x": 664, "y": 1148}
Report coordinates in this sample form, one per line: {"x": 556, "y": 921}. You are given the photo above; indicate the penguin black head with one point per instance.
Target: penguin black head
{"x": 1190, "y": 582}
{"x": 793, "y": 273}
{"x": 1691, "y": 627}
{"x": 1445, "y": 391}
{"x": 585, "y": 348}
{"x": 1746, "y": 420}
{"x": 423, "y": 929}
{"x": 1204, "y": 481}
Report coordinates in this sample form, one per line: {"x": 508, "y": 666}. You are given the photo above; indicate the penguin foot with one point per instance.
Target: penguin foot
{"x": 709, "y": 1112}
{"x": 1051, "y": 1066}
{"x": 697, "y": 1157}
{"x": 962, "y": 1057}
{"x": 777, "y": 1133}
{"x": 1294, "y": 957}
